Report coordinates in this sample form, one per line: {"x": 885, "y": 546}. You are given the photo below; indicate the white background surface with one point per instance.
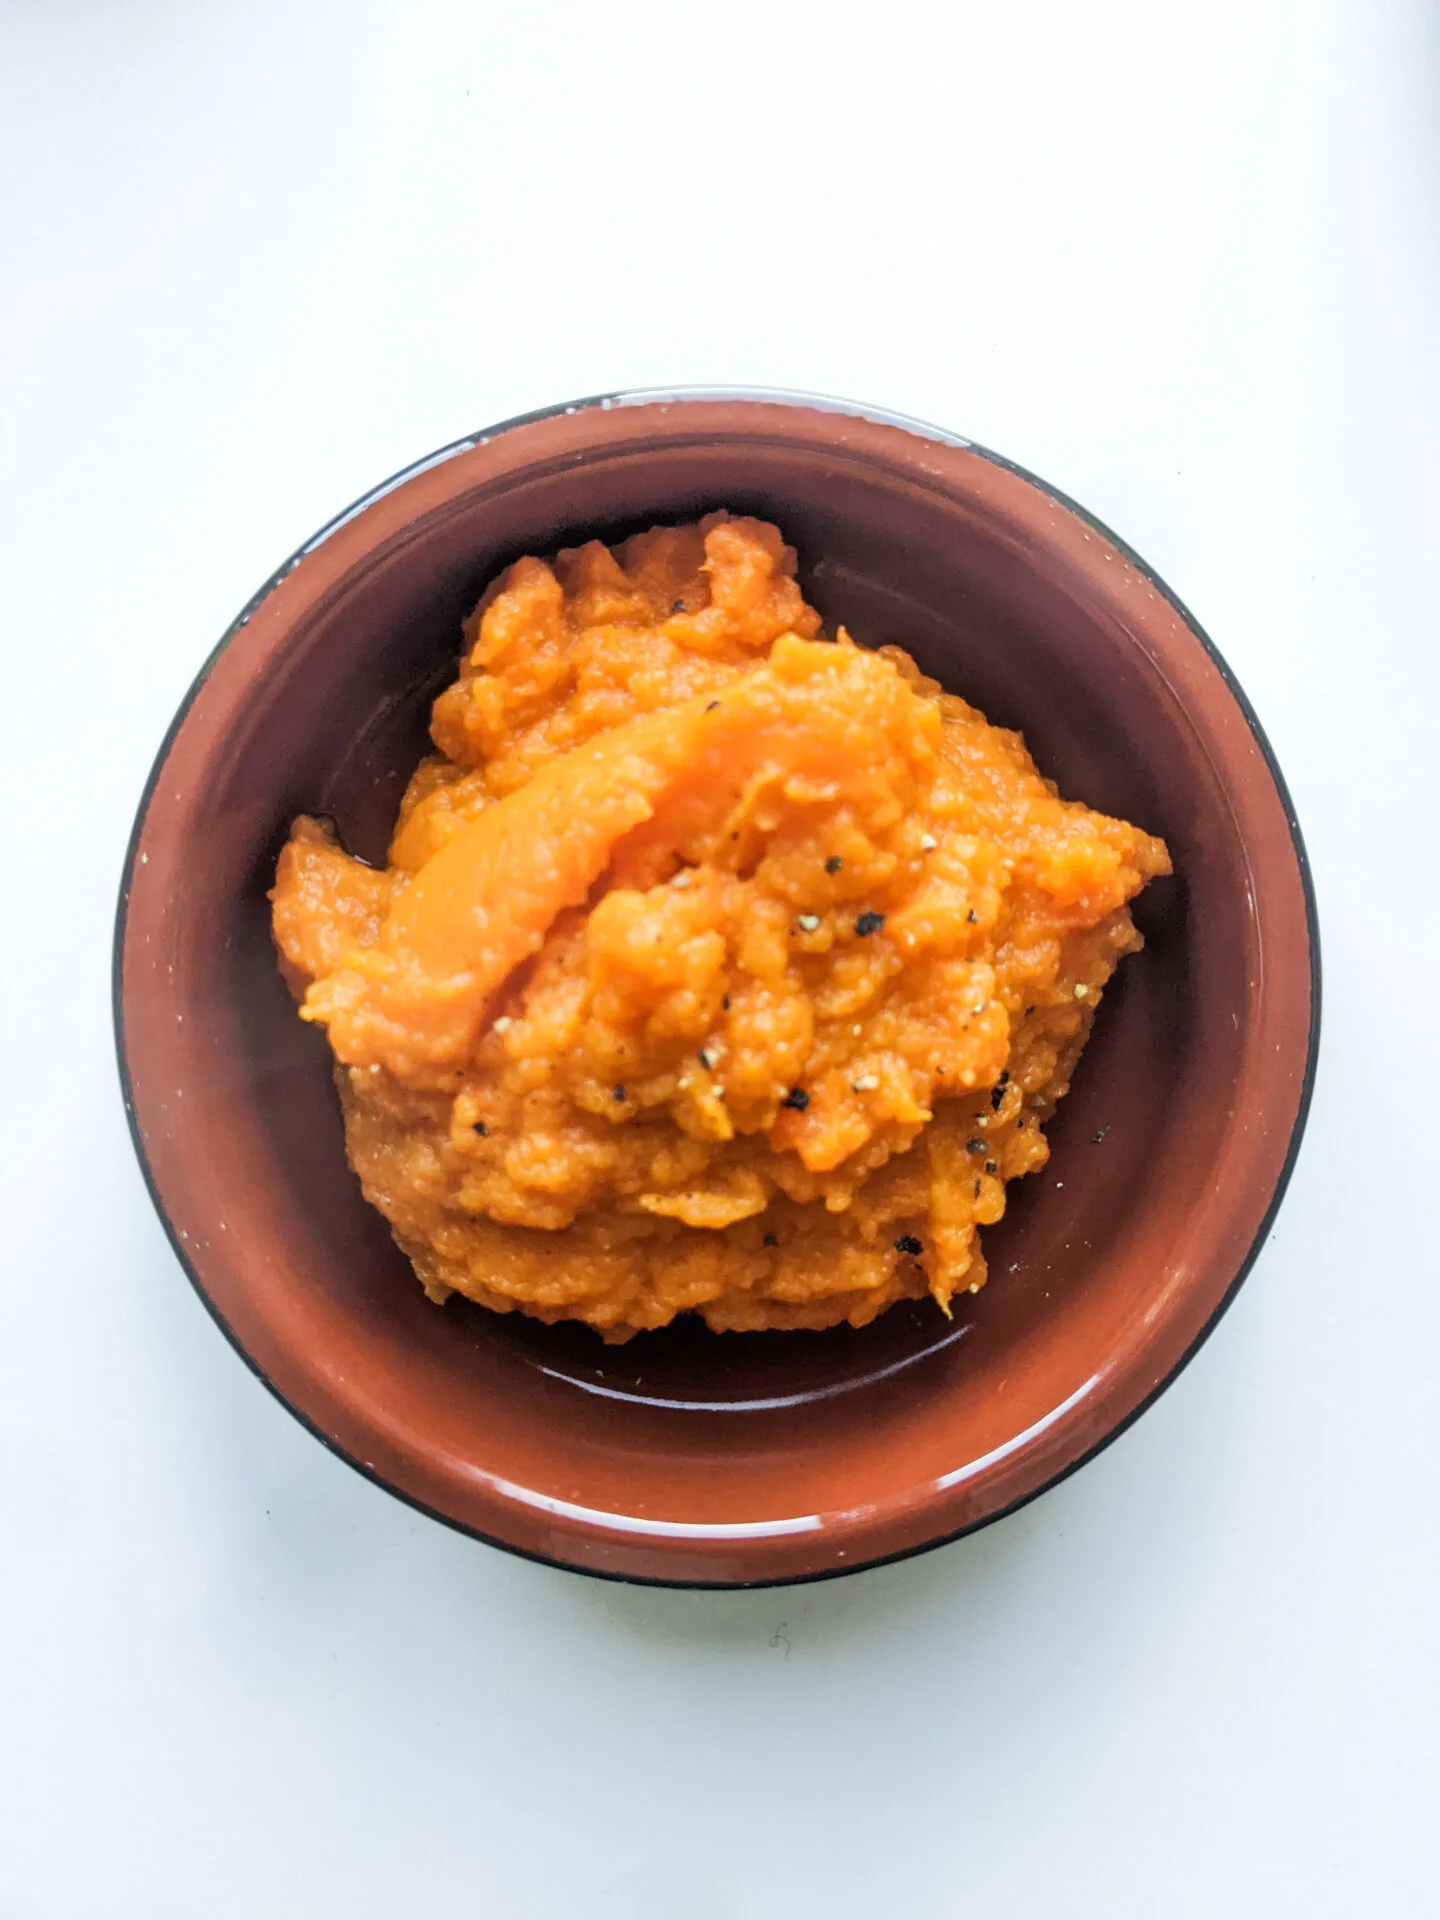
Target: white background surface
{"x": 1182, "y": 260}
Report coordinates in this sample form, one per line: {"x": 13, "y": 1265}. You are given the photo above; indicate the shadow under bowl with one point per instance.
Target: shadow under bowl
{"x": 686, "y": 1457}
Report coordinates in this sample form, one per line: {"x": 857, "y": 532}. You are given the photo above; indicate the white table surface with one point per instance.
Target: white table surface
{"x": 1180, "y": 259}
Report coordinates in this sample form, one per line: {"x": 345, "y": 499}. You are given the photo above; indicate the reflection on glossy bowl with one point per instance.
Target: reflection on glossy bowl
{"x": 684, "y": 1456}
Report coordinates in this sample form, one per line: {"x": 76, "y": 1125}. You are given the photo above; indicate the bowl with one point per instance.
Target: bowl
{"x": 684, "y": 1457}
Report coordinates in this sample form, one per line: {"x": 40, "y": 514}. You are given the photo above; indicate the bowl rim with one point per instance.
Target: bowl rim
{"x": 813, "y": 402}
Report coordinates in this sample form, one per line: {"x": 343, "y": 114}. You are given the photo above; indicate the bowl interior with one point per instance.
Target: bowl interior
{"x": 709, "y": 1436}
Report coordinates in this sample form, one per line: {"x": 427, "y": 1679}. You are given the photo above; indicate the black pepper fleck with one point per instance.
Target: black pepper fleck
{"x": 796, "y": 1098}
{"x": 679, "y": 607}
{"x": 989, "y": 1166}
{"x": 972, "y": 916}
{"x": 869, "y": 923}
{"x": 711, "y": 705}
{"x": 977, "y": 1189}
{"x": 974, "y": 1146}
{"x": 997, "y": 1092}
{"x": 482, "y": 1129}
{"x": 1099, "y": 1134}
{"x": 771, "y": 1241}
{"x": 618, "y": 1091}
{"x": 834, "y": 863}
{"x": 725, "y": 1003}
{"x": 907, "y": 1243}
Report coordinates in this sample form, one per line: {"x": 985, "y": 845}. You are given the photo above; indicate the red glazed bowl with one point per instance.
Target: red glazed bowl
{"x": 685, "y": 1457}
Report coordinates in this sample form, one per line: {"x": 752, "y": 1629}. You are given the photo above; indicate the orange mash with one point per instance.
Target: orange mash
{"x": 717, "y": 967}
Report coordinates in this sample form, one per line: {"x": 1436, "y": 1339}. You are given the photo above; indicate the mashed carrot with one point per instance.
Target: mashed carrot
{"x": 716, "y": 967}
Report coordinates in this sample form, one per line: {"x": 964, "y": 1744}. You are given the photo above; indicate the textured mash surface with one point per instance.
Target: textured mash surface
{"x": 716, "y": 967}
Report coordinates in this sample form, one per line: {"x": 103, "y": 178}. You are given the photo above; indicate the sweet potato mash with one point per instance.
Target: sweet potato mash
{"x": 717, "y": 967}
